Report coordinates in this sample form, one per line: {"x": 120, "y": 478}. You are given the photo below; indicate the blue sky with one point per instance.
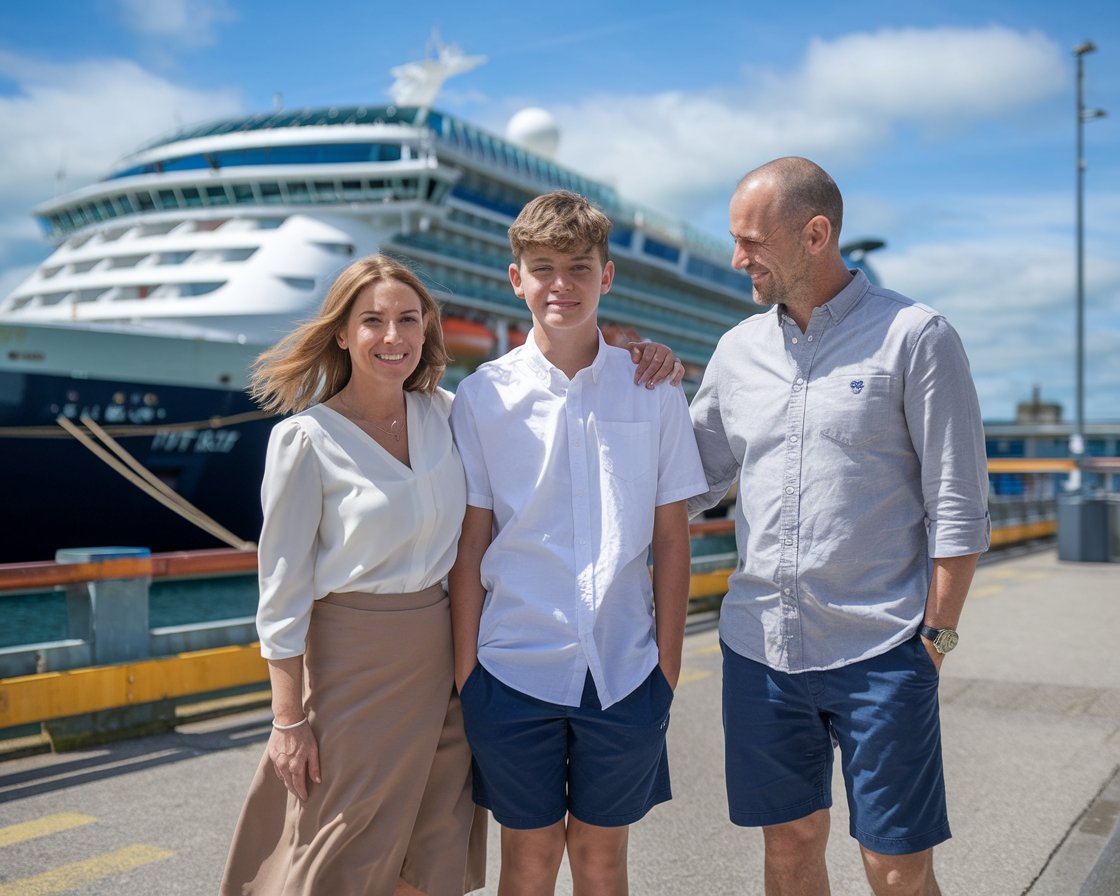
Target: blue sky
{"x": 949, "y": 126}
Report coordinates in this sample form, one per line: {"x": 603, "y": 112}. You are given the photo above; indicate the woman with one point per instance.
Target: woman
{"x": 365, "y": 785}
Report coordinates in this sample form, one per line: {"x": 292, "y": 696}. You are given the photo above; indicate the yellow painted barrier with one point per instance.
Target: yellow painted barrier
{"x": 1013, "y": 534}
{"x": 55, "y": 695}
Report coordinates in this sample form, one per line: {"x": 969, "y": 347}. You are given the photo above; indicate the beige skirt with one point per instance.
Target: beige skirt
{"x": 395, "y": 801}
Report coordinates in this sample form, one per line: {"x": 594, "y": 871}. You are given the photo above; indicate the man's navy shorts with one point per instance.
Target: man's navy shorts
{"x": 779, "y": 731}
{"x": 534, "y": 761}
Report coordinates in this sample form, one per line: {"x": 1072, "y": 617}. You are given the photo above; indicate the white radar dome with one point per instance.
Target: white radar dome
{"x": 536, "y": 130}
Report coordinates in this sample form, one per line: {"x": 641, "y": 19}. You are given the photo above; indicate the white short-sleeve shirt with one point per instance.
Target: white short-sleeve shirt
{"x": 342, "y": 514}
{"x": 573, "y": 471}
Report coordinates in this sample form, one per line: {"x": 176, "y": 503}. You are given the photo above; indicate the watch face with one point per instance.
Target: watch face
{"x": 946, "y": 640}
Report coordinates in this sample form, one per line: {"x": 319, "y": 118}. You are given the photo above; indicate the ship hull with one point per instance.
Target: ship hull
{"x": 207, "y": 445}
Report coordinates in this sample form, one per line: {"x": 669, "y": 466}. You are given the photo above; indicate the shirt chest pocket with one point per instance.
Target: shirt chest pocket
{"x": 852, "y": 408}
{"x": 626, "y": 449}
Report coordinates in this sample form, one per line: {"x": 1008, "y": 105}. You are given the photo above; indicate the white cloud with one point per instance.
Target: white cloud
{"x": 66, "y": 124}
{"x": 684, "y": 150}
{"x": 938, "y": 74}
{"x": 189, "y": 23}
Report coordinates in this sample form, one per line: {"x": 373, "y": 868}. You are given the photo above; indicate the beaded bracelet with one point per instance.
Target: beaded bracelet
{"x": 289, "y": 727}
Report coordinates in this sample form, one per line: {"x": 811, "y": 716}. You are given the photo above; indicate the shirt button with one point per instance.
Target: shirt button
{"x": 794, "y": 340}
{"x": 799, "y": 381}
{"x": 789, "y": 541}
{"x": 810, "y": 338}
{"x": 793, "y": 438}
{"x": 789, "y": 489}
{"x": 796, "y": 388}
{"x": 787, "y": 592}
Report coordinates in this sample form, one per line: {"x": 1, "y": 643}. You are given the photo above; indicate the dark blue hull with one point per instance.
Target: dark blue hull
{"x": 55, "y": 493}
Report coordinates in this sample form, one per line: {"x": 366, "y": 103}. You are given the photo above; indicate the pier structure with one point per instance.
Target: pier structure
{"x": 1031, "y": 717}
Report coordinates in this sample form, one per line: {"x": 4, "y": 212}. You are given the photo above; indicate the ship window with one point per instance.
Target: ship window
{"x": 82, "y": 266}
{"x": 270, "y": 192}
{"x": 198, "y": 289}
{"x": 144, "y": 200}
{"x": 269, "y": 223}
{"x": 621, "y": 236}
{"x": 324, "y": 189}
{"x": 297, "y": 191}
{"x": 173, "y": 257}
{"x": 661, "y": 250}
{"x": 51, "y": 298}
{"x": 126, "y": 205}
{"x": 191, "y": 197}
{"x": 238, "y": 254}
{"x": 217, "y": 195}
{"x": 210, "y": 225}
{"x": 242, "y": 193}
{"x": 158, "y": 229}
{"x": 305, "y": 283}
{"x": 352, "y": 189}
{"x": 167, "y": 199}
{"x": 125, "y": 261}
{"x": 344, "y": 249}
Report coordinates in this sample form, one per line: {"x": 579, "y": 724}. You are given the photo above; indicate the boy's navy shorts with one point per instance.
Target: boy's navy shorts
{"x": 534, "y": 761}
{"x": 779, "y": 731}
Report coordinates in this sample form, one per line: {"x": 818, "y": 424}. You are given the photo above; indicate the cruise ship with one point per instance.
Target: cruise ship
{"x": 123, "y": 413}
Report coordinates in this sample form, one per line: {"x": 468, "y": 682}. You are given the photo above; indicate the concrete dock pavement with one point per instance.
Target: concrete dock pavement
{"x": 1031, "y": 716}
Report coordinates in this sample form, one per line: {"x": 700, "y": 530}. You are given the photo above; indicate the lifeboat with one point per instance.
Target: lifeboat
{"x": 467, "y": 338}
{"x": 515, "y": 337}
{"x": 616, "y": 334}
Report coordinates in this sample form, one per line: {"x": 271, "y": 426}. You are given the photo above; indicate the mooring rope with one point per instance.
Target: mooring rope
{"x": 138, "y": 475}
{"x": 128, "y": 430}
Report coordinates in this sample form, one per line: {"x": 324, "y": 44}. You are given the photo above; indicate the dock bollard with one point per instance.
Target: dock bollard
{"x": 112, "y": 616}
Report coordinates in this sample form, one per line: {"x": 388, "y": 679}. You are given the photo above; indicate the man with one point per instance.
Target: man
{"x": 848, "y": 413}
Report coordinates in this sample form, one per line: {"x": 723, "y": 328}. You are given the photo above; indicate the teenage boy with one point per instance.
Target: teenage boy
{"x": 566, "y": 658}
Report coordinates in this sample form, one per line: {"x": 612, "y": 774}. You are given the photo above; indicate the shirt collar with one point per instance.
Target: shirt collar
{"x": 840, "y": 304}
{"x": 546, "y": 371}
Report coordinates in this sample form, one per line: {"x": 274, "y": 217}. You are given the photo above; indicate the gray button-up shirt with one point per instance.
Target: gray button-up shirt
{"x": 860, "y": 455}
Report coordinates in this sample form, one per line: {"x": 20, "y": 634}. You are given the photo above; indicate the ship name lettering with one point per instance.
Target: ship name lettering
{"x": 185, "y": 441}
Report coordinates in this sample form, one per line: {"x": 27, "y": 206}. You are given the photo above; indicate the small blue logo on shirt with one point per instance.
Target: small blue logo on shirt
{"x": 856, "y": 386}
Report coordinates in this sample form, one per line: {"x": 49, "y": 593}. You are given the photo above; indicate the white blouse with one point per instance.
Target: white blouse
{"x": 342, "y": 514}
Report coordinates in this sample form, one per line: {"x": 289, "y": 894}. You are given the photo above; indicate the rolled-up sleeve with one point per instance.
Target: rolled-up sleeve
{"x": 292, "y": 499}
{"x": 943, "y": 416}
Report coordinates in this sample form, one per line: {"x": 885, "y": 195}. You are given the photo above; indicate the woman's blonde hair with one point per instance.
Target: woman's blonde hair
{"x": 307, "y": 366}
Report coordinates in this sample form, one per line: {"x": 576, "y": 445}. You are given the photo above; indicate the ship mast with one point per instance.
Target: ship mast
{"x": 417, "y": 83}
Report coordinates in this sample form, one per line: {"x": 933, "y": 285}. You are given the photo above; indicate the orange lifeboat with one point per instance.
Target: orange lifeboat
{"x": 616, "y": 334}
{"x": 467, "y": 338}
{"x": 515, "y": 337}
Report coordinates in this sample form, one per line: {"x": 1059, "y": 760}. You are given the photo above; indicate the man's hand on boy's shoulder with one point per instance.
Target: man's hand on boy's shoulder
{"x": 656, "y": 363}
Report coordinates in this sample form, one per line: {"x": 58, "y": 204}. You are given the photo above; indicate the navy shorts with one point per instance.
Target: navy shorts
{"x": 779, "y": 731}
{"x": 534, "y": 761}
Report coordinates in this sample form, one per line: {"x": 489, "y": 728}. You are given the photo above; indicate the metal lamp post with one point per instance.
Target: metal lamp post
{"x": 1077, "y": 440}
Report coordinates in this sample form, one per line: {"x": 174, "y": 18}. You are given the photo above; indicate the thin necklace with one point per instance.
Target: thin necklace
{"x": 390, "y": 430}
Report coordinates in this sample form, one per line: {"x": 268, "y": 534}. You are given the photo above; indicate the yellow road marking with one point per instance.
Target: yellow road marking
{"x": 690, "y": 675}
{"x": 42, "y": 827}
{"x": 76, "y": 874}
{"x": 986, "y": 590}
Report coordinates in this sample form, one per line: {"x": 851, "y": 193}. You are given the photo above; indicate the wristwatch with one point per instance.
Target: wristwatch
{"x": 943, "y": 639}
